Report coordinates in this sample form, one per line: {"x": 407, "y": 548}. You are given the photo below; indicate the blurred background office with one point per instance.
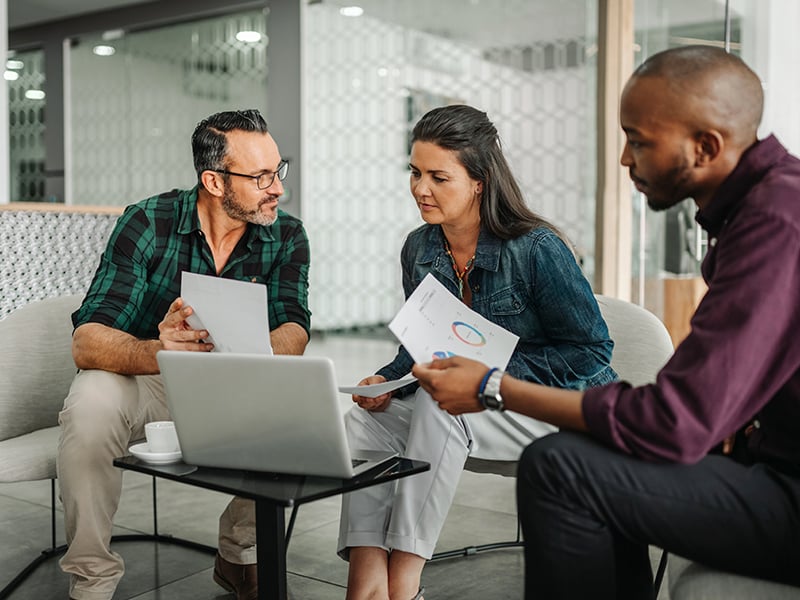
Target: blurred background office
{"x": 102, "y": 97}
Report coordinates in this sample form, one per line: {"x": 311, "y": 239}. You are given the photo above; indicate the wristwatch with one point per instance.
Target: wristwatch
{"x": 489, "y": 395}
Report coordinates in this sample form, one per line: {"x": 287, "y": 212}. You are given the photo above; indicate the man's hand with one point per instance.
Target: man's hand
{"x": 174, "y": 332}
{"x": 453, "y": 383}
{"x": 727, "y": 444}
{"x": 377, "y": 404}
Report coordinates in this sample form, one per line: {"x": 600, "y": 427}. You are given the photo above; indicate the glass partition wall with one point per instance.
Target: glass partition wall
{"x": 25, "y": 82}
{"x": 135, "y": 98}
{"x": 132, "y": 99}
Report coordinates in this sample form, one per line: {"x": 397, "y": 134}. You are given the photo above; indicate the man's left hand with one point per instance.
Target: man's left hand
{"x": 174, "y": 332}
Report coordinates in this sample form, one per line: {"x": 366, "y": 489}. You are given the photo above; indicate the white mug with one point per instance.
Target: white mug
{"x": 161, "y": 437}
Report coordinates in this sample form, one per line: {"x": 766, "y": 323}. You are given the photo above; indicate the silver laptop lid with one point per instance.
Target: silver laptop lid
{"x": 258, "y": 412}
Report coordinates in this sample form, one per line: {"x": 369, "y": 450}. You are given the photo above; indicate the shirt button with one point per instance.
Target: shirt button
{"x": 712, "y": 242}
{"x": 476, "y": 288}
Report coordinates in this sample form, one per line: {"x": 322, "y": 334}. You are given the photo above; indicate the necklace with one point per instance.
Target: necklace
{"x": 460, "y": 274}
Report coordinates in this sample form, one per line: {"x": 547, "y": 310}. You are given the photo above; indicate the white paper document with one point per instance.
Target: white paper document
{"x": 376, "y": 389}
{"x": 433, "y": 323}
{"x": 233, "y": 312}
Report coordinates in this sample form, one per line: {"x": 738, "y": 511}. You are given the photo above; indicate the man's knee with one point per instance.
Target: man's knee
{"x": 552, "y": 457}
{"x": 97, "y": 404}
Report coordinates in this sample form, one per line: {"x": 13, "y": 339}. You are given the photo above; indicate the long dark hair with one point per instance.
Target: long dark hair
{"x": 209, "y": 143}
{"x": 471, "y": 134}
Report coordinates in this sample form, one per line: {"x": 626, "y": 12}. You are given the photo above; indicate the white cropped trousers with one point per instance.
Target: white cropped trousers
{"x": 408, "y": 514}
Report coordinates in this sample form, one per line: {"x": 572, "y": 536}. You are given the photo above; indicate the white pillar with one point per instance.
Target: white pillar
{"x": 4, "y": 158}
{"x": 771, "y": 46}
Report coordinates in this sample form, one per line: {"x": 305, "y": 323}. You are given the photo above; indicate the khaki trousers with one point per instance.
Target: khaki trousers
{"x": 103, "y": 413}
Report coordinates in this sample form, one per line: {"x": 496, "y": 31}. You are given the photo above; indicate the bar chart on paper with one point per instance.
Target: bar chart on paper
{"x": 433, "y": 323}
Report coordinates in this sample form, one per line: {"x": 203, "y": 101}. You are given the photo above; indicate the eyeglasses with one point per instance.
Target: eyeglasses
{"x": 264, "y": 180}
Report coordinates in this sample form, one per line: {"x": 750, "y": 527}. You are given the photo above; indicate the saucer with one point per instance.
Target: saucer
{"x": 142, "y": 452}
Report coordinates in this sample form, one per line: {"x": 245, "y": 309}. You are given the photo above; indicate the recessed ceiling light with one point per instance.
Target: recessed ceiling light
{"x": 34, "y": 95}
{"x": 10, "y": 75}
{"x": 15, "y": 64}
{"x": 251, "y": 37}
{"x": 351, "y": 11}
{"x": 103, "y": 50}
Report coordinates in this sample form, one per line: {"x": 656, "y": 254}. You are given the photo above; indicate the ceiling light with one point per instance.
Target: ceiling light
{"x": 10, "y": 75}
{"x": 351, "y": 11}
{"x": 103, "y": 50}
{"x": 250, "y": 37}
{"x": 34, "y": 95}
{"x": 15, "y": 64}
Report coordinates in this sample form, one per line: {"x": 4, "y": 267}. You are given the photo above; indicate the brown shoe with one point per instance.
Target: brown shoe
{"x": 241, "y": 580}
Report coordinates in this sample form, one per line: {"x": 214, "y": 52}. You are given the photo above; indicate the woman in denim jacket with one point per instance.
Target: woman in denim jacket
{"x": 509, "y": 265}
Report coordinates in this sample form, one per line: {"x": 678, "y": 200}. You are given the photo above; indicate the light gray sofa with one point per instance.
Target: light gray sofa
{"x": 48, "y": 255}
{"x": 37, "y": 370}
{"x": 692, "y": 581}
{"x": 48, "y": 251}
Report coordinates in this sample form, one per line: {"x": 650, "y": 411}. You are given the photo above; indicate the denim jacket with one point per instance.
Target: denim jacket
{"x": 531, "y": 286}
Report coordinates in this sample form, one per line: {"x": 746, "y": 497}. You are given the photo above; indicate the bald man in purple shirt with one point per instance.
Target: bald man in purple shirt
{"x": 705, "y": 462}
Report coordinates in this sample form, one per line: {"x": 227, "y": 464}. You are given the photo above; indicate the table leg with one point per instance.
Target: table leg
{"x": 271, "y": 550}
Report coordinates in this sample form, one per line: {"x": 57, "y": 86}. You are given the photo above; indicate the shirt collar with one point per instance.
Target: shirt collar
{"x": 752, "y": 166}
{"x": 186, "y": 207}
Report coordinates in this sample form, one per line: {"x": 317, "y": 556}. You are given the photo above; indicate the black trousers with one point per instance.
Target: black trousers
{"x": 589, "y": 512}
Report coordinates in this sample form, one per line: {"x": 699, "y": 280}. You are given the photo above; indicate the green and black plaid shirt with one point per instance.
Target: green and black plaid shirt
{"x": 139, "y": 274}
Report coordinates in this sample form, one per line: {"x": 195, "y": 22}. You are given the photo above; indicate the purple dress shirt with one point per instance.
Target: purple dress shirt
{"x": 740, "y": 365}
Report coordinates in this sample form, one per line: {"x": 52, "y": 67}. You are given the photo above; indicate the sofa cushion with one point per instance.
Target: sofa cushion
{"x": 29, "y": 457}
{"x": 37, "y": 366}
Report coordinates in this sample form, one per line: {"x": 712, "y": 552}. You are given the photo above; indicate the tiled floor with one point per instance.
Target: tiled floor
{"x": 483, "y": 512}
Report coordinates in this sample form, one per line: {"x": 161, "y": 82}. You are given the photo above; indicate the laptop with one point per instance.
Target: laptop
{"x": 259, "y": 412}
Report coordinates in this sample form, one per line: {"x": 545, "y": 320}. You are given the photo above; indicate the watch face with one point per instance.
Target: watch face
{"x": 492, "y": 402}
{"x": 491, "y": 398}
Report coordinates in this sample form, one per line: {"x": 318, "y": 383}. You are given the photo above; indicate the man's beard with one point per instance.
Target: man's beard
{"x": 237, "y": 211}
{"x": 671, "y": 189}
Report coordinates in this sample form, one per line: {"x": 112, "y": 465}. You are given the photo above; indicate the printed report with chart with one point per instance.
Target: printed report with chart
{"x": 433, "y": 323}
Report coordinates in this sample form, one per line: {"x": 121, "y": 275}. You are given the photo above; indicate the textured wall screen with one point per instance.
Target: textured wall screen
{"x": 48, "y": 253}
{"x": 367, "y": 81}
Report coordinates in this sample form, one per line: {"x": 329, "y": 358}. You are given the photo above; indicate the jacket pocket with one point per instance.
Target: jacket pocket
{"x": 509, "y": 309}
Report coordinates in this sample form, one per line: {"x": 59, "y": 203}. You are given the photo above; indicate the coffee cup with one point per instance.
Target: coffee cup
{"x": 161, "y": 437}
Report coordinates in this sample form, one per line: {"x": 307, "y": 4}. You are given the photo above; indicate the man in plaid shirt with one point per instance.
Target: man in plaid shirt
{"x": 228, "y": 225}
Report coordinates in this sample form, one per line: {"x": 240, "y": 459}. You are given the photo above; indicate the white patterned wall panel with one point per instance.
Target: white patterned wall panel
{"x": 366, "y": 82}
